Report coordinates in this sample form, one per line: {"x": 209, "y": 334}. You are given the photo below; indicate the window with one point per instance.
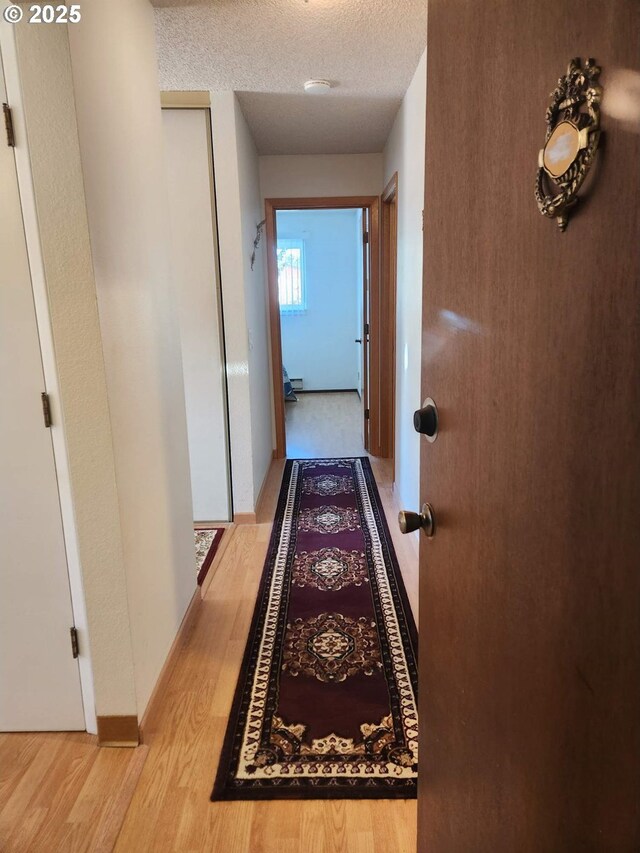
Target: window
{"x": 291, "y": 283}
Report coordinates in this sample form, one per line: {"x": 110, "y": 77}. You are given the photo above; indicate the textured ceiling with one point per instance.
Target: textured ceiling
{"x": 266, "y": 49}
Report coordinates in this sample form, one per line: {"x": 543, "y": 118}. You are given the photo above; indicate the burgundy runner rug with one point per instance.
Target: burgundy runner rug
{"x": 325, "y": 705}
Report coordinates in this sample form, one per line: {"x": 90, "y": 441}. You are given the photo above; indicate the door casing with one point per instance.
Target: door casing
{"x": 388, "y": 290}
{"x": 372, "y": 312}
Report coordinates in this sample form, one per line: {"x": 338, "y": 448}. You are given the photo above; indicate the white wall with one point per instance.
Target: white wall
{"x": 299, "y": 175}
{"x": 318, "y": 344}
{"x": 404, "y": 153}
{"x": 114, "y": 64}
{"x": 252, "y": 213}
{"x": 186, "y": 137}
{"x": 246, "y": 329}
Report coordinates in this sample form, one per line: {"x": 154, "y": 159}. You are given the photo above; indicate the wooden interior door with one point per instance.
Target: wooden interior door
{"x": 39, "y": 678}
{"x": 530, "y": 588}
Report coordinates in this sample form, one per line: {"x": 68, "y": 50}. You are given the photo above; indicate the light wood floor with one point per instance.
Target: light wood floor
{"x": 327, "y": 424}
{"x": 61, "y": 793}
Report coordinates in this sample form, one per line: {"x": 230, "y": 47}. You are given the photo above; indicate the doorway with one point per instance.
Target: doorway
{"x": 320, "y": 295}
{"x": 367, "y": 349}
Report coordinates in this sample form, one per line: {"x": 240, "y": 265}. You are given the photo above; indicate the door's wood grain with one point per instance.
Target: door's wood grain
{"x": 530, "y": 590}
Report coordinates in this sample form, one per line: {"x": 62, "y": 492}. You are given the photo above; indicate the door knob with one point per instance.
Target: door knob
{"x": 358, "y": 340}
{"x": 425, "y": 420}
{"x": 425, "y": 521}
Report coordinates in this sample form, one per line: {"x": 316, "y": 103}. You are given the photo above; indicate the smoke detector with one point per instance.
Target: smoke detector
{"x": 317, "y": 87}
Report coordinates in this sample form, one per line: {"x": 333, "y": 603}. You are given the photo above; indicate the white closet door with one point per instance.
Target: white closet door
{"x": 39, "y": 678}
{"x": 187, "y": 151}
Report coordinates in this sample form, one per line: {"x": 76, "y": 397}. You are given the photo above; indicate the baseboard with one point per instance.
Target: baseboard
{"x": 146, "y": 723}
{"x": 118, "y": 731}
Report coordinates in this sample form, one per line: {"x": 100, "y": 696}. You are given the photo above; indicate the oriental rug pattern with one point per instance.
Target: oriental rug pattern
{"x": 325, "y": 705}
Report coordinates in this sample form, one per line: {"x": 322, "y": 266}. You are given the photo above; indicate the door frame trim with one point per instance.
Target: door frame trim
{"x": 388, "y": 296}
{"x": 272, "y": 206}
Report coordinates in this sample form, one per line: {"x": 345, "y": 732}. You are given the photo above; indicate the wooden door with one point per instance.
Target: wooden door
{"x": 530, "y": 589}
{"x": 39, "y": 678}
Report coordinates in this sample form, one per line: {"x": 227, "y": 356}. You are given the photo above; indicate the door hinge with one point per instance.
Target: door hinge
{"x": 75, "y": 648}
{"x": 8, "y": 123}
{"x": 365, "y": 237}
{"x": 366, "y": 414}
{"x": 46, "y": 409}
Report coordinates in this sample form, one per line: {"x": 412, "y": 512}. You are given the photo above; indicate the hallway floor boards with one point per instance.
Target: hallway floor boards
{"x": 324, "y": 424}
{"x": 170, "y": 808}
{"x": 59, "y": 792}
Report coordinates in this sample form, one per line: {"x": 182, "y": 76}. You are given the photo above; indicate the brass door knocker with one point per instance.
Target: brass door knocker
{"x": 571, "y": 142}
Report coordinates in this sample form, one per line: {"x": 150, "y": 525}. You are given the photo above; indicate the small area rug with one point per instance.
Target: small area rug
{"x": 207, "y": 543}
{"x": 325, "y": 705}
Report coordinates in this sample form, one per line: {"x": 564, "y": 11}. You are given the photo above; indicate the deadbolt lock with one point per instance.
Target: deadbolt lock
{"x": 425, "y": 521}
{"x": 425, "y": 420}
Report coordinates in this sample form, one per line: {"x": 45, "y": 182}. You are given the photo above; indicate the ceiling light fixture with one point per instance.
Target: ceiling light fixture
{"x": 317, "y": 87}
